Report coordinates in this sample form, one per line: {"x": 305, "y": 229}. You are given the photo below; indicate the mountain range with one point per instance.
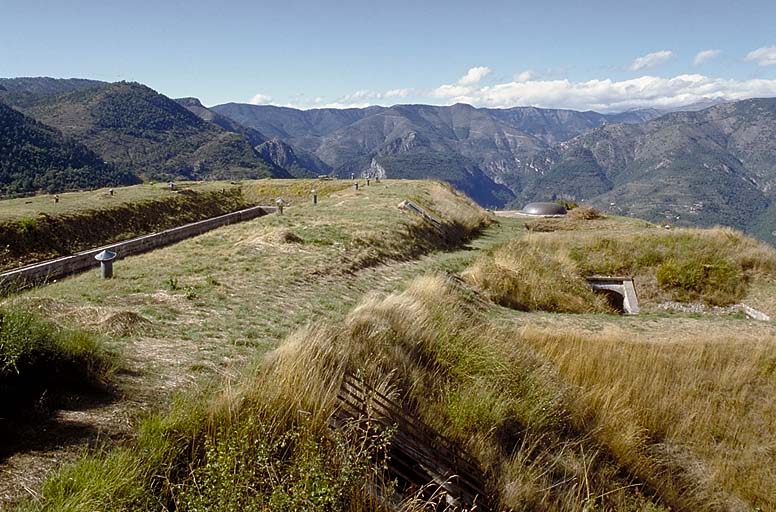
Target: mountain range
{"x": 712, "y": 166}
{"x": 478, "y": 150}
{"x": 714, "y": 163}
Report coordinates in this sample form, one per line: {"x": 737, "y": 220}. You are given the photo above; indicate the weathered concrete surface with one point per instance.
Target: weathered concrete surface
{"x": 38, "y": 273}
{"x": 519, "y": 214}
{"x": 621, "y": 285}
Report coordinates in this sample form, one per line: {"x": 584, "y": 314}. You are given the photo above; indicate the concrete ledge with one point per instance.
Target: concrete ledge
{"x": 38, "y": 273}
{"x": 410, "y": 206}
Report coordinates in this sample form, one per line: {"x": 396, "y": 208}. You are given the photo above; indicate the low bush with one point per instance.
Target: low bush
{"x": 718, "y": 281}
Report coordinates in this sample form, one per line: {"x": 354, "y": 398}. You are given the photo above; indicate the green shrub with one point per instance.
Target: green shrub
{"x": 716, "y": 281}
{"x": 27, "y": 225}
{"x": 567, "y": 204}
{"x": 253, "y": 467}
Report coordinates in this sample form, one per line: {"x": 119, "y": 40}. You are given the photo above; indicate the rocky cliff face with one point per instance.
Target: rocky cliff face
{"x": 298, "y": 163}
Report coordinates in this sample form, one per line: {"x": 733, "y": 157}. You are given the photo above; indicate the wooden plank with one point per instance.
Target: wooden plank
{"x": 420, "y": 456}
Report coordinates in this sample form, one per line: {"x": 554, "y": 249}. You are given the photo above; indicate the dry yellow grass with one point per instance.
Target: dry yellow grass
{"x": 474, "y": 383}
{"x": 700, "y": 409}
{"x": 585, "y": 213}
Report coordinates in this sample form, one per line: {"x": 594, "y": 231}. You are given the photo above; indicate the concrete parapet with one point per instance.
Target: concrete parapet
{"x": 45, "y": 271}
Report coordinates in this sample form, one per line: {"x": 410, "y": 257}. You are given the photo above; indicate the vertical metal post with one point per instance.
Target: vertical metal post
{"x": 106, "y": 258}
{"x": 356, "y": 185}
{"x": 315, "y": 196}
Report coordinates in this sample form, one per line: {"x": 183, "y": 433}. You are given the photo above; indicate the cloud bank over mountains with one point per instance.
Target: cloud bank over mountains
{"x": 606, "y": 95}
{"x": 477, "y": 87}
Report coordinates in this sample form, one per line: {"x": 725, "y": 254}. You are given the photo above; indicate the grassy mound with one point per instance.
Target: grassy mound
{"x": 545, "y": 271}
{"x": 522, "y": 276}
{"x": 36, "y": 356}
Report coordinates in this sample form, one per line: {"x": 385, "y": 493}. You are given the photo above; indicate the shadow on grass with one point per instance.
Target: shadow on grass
{"x": 54, "y": 423}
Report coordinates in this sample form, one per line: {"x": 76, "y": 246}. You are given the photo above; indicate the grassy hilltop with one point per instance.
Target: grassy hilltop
{"x": 234, "y": 343}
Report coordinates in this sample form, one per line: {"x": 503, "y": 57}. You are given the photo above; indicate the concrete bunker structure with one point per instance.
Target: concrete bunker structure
{"x": 619, "y": 291}
{"x": 544, "y": 209}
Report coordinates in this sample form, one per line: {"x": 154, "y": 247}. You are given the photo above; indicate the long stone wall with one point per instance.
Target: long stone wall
{"x": 43, "y": 272}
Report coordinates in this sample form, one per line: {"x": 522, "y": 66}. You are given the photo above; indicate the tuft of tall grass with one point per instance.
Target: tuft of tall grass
{"x": 585, "y": 213}
{"x": 522, "y": 276}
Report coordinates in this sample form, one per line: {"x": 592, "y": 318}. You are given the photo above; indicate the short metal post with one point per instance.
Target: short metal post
{"x": 315, "y": 196}
{"x": 106, "y": 263}
{"x": 356, "y": 185}
{"x": 367, "y": 182}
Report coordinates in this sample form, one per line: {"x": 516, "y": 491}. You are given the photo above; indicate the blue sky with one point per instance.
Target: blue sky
{"x": 602, "y": 55}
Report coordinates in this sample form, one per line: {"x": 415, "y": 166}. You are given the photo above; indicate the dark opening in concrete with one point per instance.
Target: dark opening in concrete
{"x": 615, "y": 299}
{"x": 619, "y": 291}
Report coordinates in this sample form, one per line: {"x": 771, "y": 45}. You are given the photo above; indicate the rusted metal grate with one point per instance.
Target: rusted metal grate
{"x": 420, "y": 458}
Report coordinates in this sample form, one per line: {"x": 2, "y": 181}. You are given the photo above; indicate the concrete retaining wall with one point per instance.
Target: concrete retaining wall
{"x": 38, "y": 273}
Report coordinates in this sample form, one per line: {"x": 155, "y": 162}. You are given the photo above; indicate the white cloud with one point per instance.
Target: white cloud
{"x": 260, "y": 99}
{"x": 474, "y": 75}
{"x": 606, "y": 95}
{"x": 765, "y": 56}
{"x": 358, "y": 99}
{"x": 337, "y": 104}
{"x": 704, "y": 55}
{"x": 397, "y": 93}
{"x": 650, "y": 59}
{"x": 524, "y": 76}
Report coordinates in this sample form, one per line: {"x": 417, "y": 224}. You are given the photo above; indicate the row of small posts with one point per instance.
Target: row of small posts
{"x": 280, "y": 202}
{"x": 106, "y": 257}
